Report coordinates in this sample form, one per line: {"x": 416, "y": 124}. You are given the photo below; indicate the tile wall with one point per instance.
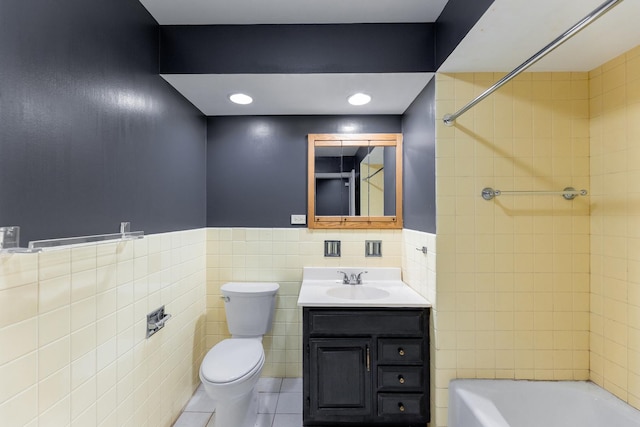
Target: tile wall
{"x": 72, "y": 332}
{"x": 72, "y": 320}
{"x": 513, "y": 273}
{"x": 419, "y": 272}
{"x": 418, "y": 268}
{"x": 615, "y": 226}
{"x": 278, "y": 255}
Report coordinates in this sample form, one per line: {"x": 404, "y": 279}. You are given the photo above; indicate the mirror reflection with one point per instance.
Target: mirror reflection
{"x": 335, "y": 182}
{"x": 355, "y": 181}
{"x": 377, "y": 182}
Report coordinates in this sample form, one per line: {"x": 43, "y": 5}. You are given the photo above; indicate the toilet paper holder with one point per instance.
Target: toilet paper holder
{"x": 156, "y": 321}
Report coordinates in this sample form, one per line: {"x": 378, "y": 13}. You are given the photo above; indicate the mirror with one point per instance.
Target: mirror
{"x": 355, "y": 181}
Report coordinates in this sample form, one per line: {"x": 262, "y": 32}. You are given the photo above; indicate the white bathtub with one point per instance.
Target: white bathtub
{"x": 506, "y": 403}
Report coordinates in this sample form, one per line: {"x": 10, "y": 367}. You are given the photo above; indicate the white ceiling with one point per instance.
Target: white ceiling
{"x": 509, "y": 33}
{"x": 512, "y": 31}
{"x": 238, "y": 12}
{"x": 291, "y": 94}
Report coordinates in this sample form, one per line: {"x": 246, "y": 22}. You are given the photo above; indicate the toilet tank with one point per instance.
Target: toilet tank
{"x": 249, "y": 307}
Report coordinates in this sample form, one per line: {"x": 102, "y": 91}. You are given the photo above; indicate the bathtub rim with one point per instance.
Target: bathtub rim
{"x": 610, "y": 401}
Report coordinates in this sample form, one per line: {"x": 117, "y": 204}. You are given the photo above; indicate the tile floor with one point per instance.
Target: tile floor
{"x": 279, "y": 405}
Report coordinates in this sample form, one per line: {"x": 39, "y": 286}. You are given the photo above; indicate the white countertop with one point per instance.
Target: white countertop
{"x": 381, "y": 287}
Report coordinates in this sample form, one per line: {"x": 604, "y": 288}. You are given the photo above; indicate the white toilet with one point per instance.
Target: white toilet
{"x": 231, "y": 369}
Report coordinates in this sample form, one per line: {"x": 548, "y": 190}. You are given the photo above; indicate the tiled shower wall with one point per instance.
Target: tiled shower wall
{"x": 513, "y": 273}
{"x": 72, "y": 332}
{"x": 615, "y": 226}
{"x": 278, "y": 255}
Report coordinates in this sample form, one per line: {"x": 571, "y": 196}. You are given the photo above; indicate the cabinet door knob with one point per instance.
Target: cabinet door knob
{"x": 400, "y": 379}
{"x": 400, "y": 406}
{"x": 401, "y": 351}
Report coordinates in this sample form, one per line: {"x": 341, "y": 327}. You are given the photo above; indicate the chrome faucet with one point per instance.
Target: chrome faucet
{"x": 359, "y": 277}
{"x": 354, "y": 279}
{"x": 345, "y": 277}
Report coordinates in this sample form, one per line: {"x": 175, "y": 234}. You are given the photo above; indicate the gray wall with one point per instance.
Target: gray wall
{"x": 257, "y": 165}
{"x": 324, "y": 48}
{"x": 453, "y": 24}
{"x": 90, "y": 135}
{"x": 419, "y": 164}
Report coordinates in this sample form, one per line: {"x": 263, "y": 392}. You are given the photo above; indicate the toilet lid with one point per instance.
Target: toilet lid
{"x": 231, "y": 359}
{"x": 249, "y": 288}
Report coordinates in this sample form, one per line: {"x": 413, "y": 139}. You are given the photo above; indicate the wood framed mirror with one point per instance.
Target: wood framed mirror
{"x": 355, "y": 181}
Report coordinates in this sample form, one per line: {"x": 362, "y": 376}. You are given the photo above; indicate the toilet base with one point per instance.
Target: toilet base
{"x": 241, "y": 412}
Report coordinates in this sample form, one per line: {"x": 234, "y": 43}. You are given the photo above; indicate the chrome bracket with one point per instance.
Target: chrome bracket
{"x": 10, "y": 241}
{"x": 489, "y": 193}
{"x": 9, "y": 237}
{"x": 569, "y": 193}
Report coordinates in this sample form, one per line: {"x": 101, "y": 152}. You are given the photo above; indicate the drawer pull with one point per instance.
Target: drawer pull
{"x": 400, "y": 379}
{"x": 400, "y": 406}
{"x": 401, "y": 351}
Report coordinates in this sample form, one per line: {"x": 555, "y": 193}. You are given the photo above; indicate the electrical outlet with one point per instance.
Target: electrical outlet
{"x": 298, "y": 219}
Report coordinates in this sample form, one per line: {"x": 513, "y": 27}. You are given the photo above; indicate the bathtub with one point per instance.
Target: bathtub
{"x": 507, "y": 403}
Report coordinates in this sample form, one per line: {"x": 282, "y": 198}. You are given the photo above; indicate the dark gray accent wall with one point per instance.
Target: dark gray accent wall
{"x": 453, "y": 24}
{"x": 257, "y": 165}
{"x": 327, "y": 48}
{"x": 90, "y": 134}
{"x": 419, "y": 162}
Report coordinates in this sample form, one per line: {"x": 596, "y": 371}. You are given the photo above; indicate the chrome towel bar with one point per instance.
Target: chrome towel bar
{"x": 569, "y": 193}
{"x": 125, "y": 234}
{"x": 10, "y": 239}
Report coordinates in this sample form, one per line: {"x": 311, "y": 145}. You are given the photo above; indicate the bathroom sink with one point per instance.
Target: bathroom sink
{"x": 380, "y": 287}
{"x": 357, "y": 292}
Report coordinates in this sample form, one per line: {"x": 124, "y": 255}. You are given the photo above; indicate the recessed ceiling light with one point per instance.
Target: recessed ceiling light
{"x": 359, "y": 99}
{"x": 241, "y": 98}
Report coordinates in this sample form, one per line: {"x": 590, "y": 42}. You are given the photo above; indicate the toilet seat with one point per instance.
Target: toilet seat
{"x": 232, "y": 359}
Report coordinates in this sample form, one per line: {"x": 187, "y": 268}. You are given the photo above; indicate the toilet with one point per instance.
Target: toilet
{"x": 231, "y": 369}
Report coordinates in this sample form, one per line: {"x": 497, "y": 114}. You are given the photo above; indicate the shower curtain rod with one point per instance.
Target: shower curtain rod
{"x": 448, "y": 119}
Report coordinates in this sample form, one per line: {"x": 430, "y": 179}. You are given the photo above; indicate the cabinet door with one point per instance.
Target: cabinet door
{"x": 340, "y": 379}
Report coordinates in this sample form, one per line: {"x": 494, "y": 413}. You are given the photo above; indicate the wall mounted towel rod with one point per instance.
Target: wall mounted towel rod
{"x": 10, "y": 239}
{"x": 569, "y": 193}
{"x": 597, "y": 13}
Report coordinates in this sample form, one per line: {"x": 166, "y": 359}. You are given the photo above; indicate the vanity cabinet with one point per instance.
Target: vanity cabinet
{"x": 366, "y": 366}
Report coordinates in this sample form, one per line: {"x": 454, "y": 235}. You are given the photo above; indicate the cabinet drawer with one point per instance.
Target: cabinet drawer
{"x": 401, "y": 404}
{"x": 400, "y": 350}
{"x": 364, "y": 322}
{"x": 398, "y": 378}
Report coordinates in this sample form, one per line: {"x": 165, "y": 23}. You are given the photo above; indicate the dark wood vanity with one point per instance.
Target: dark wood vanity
{"x": 366, "y": 366}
